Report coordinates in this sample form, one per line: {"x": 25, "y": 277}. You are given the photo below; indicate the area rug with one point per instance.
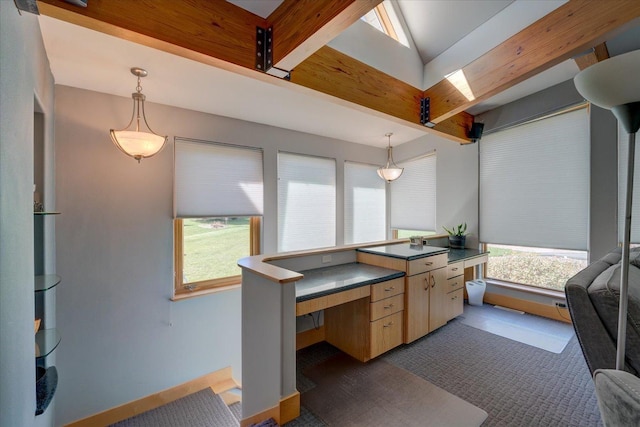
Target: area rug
{"x": 351, "y": 393}
{"x": 547, "y": 334}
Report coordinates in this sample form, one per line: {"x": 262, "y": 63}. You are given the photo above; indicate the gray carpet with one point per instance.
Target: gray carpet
{"x": 201, "y": 409}
{"x": 516, "y": 384}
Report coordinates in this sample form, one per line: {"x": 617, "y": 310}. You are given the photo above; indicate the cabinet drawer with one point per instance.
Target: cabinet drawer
{"x": 385, "y": 307}
{"x": 387, "y": 289}
{"x": 455, "y": 283}
{"x": 455, "y": 303}
{"x": 386, "y": 333}
{"x": 455, "y": 269}
{"x": 429, "y": 263}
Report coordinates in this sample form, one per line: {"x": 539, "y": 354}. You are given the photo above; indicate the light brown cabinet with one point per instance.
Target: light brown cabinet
{"x": 367, "y": 327}
{"x": 438, "y": 301}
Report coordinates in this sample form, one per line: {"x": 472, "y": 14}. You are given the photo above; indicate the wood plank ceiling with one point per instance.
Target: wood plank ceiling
{"x": 221, "y": 34}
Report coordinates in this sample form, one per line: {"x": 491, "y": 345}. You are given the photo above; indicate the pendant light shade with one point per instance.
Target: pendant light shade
{"x": 133, "y": 141}
{"x": 614, "y": 84}
{"x": 390, "y": 171}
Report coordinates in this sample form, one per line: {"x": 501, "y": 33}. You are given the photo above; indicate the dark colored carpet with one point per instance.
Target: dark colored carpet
{"x": 516, "y": 384}
{"x": 351, "y": 393}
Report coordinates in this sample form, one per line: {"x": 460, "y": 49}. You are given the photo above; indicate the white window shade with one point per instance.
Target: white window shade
{"x": 217, "y": 180}
{"x": 413, "y": 196}
{"x": 306, "y": 202}
{"x": 364, "y": 204}
{"x": 534, "y": 183}
{"x": 623, "y": 155}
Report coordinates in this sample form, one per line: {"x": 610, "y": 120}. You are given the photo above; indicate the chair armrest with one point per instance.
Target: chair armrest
{"x": 618, "y": 394}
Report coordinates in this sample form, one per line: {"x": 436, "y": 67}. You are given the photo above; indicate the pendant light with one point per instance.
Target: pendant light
{"x": 614, "y": 84}
{"x": 138, "y": 143}
{"x": 390, "y": 171}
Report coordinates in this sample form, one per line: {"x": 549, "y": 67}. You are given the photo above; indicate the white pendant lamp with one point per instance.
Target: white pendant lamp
{"x": 135, "y": 142}
{"x": 390, "y": 171}
{"x": 614, "y": 84}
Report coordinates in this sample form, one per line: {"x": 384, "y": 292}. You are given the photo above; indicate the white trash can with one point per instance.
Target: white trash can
{"x": 475, "y": 291}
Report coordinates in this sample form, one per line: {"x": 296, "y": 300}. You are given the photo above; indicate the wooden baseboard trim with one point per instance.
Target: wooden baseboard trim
{"x": 548, "y": 311}
{"x": 155, "y": 400}
{"x": 261, "y": 416}
{"x": 310, "y": 337}
{"x": 289, "y": 408}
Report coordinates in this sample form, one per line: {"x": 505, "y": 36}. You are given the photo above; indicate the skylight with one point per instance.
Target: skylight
{"x": 384, "y": 19}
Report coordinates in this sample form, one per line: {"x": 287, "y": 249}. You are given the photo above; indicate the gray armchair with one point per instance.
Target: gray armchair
{"x": 593, "y": 297}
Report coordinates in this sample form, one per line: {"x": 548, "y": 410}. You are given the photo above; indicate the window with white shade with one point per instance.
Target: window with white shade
{"x": 534, "y": 199}
{"x": 413, "y": 195}
{"x": 364, "y": 204}
{"x": 306, "y": 202}
{"x": 623, "y": 155}
{"x": 218, "y": 201}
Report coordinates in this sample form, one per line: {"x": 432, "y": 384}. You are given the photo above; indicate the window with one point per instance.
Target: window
{"x": 306, "y": 202}
{"x": 365, "y": 204}
{"x": 534, "y": 195}
{"x": 413, "y": 196}
{"x": 207, "y": 250}
{"x": 218, "y": 204}
{"x": 623, "y": 154}
{"x": 384, "y": 19}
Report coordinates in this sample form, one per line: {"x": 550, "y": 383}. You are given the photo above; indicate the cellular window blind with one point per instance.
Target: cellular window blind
{"x": 413, "y": 196}
{"x": 213, "y": 179}
{"x": 364, "y": 204}
{"x": 306, "y": 202}
{"x": 623, "y": 155}
{"x": 534, "y": 183}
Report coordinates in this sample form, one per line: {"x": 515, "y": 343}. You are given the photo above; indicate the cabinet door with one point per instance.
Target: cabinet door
{"x": 386, "y": 333}
{"x": 455, "y": 304}
{"x": 416, "y": 305}
{"x": 438, "y": 304}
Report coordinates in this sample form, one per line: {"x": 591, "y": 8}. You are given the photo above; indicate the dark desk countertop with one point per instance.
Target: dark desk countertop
{"x": 411, "y": 252}
{"x": 329, "y": 280}
{"x": 462, "y": 254}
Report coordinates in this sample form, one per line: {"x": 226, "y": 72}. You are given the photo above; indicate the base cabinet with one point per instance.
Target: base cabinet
{"x": 438, "y": 301}
{"x": 417, "y": 302}
{"x": 367, "y": 327}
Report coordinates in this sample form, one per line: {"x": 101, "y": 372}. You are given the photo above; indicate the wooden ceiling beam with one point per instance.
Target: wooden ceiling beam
{"x": 570, "y": 29}
{"x": 223, "y": 35}
{"x": 301, "y": 27}
{"x": 333, "y": 73}
{"x": 217, "y": 29}
{"x": 597, "y": 54}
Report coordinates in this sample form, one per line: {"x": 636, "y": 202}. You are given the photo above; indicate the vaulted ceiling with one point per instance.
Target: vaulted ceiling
{"x": 201, "y": 55}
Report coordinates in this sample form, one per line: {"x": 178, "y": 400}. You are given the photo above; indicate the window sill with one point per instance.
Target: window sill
{"x": 182, "y": 295}
{"x": 527, "y": 288}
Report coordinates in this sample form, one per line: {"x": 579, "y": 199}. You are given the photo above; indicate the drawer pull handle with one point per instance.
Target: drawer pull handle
{"x": 454, "y": 269}
{"x": 387, "y": 325}
{"x": 456, "y": 297}
{"x": 428, "y": 263}
{"x": 386, "y": 307}
{"x": 389, "y": 289}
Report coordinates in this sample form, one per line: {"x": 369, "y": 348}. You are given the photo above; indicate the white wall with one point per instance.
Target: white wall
{"x": 24, "y": 74}
{"x": 122, "y": 337}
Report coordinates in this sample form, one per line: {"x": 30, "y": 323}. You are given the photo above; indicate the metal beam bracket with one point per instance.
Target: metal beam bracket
{"x": 425, "y": 111}
{"x": 264, "y": 54}
{"x": 264, "y": 48}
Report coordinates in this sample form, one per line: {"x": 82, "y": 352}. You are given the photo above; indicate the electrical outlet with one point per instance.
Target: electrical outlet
{"x": 326, "y": 259}
{"x": 559, "y": 303}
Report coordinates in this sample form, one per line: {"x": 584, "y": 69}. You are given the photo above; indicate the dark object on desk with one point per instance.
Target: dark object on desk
{"x": 46, "y": 384}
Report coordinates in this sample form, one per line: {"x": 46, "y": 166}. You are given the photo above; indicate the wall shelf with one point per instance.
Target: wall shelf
{"x": 46, "y": 341}
{"x": 45, "y": 282}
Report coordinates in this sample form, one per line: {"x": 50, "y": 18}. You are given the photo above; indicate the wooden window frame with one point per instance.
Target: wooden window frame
{"x": 186, "y": 290}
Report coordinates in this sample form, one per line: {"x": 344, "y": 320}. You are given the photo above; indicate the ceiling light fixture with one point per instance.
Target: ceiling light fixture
{"x": 390, "y": 171}
{"x": 137, "y": 143}
{"x": 613, "y": 84}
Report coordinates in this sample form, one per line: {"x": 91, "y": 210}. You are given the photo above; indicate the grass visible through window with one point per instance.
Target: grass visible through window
{"x": 212, "y": 247}
{"x": 541, "y": 267}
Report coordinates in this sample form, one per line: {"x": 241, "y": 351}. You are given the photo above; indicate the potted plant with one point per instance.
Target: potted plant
{"x": 457, "y": 236}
